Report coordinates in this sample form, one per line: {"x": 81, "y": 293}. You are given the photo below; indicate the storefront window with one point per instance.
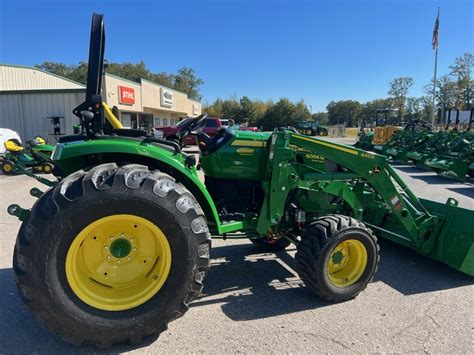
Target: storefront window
{"x": 165, "y": 121}
{"x": 157, "y": 121}
{"x": 146, "y": 121}
{"x": 126, "y": 119}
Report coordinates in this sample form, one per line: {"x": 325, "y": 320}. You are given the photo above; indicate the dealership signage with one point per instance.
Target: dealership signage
{"x": 126, "y": 95}
{"x": 166, "y": 98}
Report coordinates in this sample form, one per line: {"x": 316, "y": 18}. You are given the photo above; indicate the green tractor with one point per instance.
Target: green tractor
{"x": 120, "y": 245}
{"x": 311, "y": 128}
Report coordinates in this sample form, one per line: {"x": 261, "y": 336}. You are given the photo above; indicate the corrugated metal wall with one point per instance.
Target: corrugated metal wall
{"x": 19, "y": 78}
{"x": 27, "y": 113}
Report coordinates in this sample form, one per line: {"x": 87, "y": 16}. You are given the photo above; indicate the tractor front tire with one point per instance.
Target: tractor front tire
{"x": 337, "y": 257}
{"x": 47, "y": 168}
{"x": 112, "y": 255}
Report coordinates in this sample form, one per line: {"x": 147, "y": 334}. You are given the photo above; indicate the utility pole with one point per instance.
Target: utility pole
{"x": 435, "y": 42}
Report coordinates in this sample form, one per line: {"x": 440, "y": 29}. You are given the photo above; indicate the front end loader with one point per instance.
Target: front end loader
{"x": 119, "y": 245}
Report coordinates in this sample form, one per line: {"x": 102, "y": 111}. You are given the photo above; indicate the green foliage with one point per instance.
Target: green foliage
{"x": 185, "y": 80}
{"x": 284, "y": 113}
{"x": 398, "y": 91}
{"x": 461, "y": 70}
{"x": 344, "y": 112}
{"x": 320, "y": 117}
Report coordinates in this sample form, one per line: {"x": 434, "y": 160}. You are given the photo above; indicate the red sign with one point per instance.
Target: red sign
{"x": 126, "y": 95}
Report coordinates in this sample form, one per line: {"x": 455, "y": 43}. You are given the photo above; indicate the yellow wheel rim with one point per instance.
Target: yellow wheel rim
{"x": 7, "y": 167}
{"x": 347, "y": 263}
{"x": 118, "y": 262}
{"x": 47, "y": 168}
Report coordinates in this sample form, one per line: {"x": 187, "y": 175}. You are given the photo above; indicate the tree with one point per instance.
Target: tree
{"x": 320, "y": 117}
{"x": 344, "y": 112}
{"x": 282, "y": 114}
{"x": 187, "y": 81}
{"x": 462, "y": 71}
{"x": 247, "y": 110}
{"x": 399, "y": 90}
{"x": 369, "y": 109}
{"x": 301, "y": 111}
{"x": 446, "y": 92}
{"x": 413, "y": 108}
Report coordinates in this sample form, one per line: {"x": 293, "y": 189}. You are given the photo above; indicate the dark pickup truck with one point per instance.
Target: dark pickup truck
{"x": 211, "y": 125}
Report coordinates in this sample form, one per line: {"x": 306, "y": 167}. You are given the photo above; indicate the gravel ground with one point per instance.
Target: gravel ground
{"x": 255, "y": 302}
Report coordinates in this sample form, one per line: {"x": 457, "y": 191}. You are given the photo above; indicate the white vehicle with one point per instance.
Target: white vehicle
{"x": 5, "y": 135}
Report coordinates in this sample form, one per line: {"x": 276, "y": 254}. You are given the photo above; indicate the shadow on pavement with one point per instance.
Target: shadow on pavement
{"x": 20, "y": 333}
{"x": 466, "y": 191}
{"x": 410, "y": 169}
{"x": 438, "y": 180}
{"x": 264, "y": 285}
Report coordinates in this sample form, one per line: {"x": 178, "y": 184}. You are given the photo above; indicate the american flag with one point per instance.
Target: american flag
{"x": 434, "y": 41}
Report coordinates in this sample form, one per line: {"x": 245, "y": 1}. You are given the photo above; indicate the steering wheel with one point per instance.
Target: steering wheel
{"x": 193, "y": 124}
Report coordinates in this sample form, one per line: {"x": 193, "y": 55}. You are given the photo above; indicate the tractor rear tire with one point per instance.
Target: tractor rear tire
{"x": 7, "y": 167}
{"x": 270, "y": 245}
{"x": 337, "y": 257}
{"x": 77, "y": 255}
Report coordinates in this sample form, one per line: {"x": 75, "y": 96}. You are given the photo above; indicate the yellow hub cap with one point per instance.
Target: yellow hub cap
{"x": 347, "y": 263}
{"x": 118, "y": 262}
{"x": 7, "y": 167}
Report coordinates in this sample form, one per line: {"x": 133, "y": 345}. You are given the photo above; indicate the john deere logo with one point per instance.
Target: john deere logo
{"x": 376, "y": 169}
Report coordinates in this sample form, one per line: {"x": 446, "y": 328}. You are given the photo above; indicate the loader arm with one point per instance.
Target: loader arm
{"x": 418, "y": 226}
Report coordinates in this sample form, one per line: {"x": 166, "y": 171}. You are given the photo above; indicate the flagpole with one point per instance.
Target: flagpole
{"x": 434, "y": 83}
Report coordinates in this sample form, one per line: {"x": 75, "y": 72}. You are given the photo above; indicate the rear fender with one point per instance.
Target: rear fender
{"x": 74, "y": 156}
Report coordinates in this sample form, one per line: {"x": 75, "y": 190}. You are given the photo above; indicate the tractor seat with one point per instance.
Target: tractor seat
{"x": 208, "y": 145}
{"x": 13, "y": 146}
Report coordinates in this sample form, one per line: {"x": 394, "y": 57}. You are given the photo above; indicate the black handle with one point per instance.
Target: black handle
{"x": 177, "y": 148}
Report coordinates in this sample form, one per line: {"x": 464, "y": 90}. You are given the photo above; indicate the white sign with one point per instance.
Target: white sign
{"x": 166, "y": 98}
{"x": 196, "y": 109}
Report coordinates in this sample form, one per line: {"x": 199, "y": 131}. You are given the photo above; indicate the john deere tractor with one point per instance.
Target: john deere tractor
{"x": 119, "y": 245}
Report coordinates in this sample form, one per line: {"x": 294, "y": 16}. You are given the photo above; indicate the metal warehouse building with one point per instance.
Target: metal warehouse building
{"x": 34, "y": 102}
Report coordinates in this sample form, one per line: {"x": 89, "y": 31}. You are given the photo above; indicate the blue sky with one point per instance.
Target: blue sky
{"x": 316, "y": 50}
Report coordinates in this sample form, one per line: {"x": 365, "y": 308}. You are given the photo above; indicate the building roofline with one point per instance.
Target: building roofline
{"x": 44, "y": 91}
{"x": 119, "y": 77}
{"x": 42, "y": 71}
{"x": 164, "y": 86}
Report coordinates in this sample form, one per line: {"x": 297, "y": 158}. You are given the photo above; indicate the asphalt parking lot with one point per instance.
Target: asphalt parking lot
{"x": 255, "y": 302}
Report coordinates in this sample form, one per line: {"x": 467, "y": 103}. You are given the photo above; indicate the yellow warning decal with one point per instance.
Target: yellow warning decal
{"x": 327, "y": 144}
{"x": 248, "y": 143}
{"x": 245, "y": 150}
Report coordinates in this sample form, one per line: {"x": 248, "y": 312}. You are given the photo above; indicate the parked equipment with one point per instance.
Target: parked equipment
{"x": 311, "y": 128}
{"x": 119, "y": 246}
{"x": 36, "y": 157}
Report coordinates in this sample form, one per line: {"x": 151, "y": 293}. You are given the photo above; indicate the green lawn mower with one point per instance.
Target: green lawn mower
{"x": 36, "y": 158}
{"x": 120, "y": 245}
